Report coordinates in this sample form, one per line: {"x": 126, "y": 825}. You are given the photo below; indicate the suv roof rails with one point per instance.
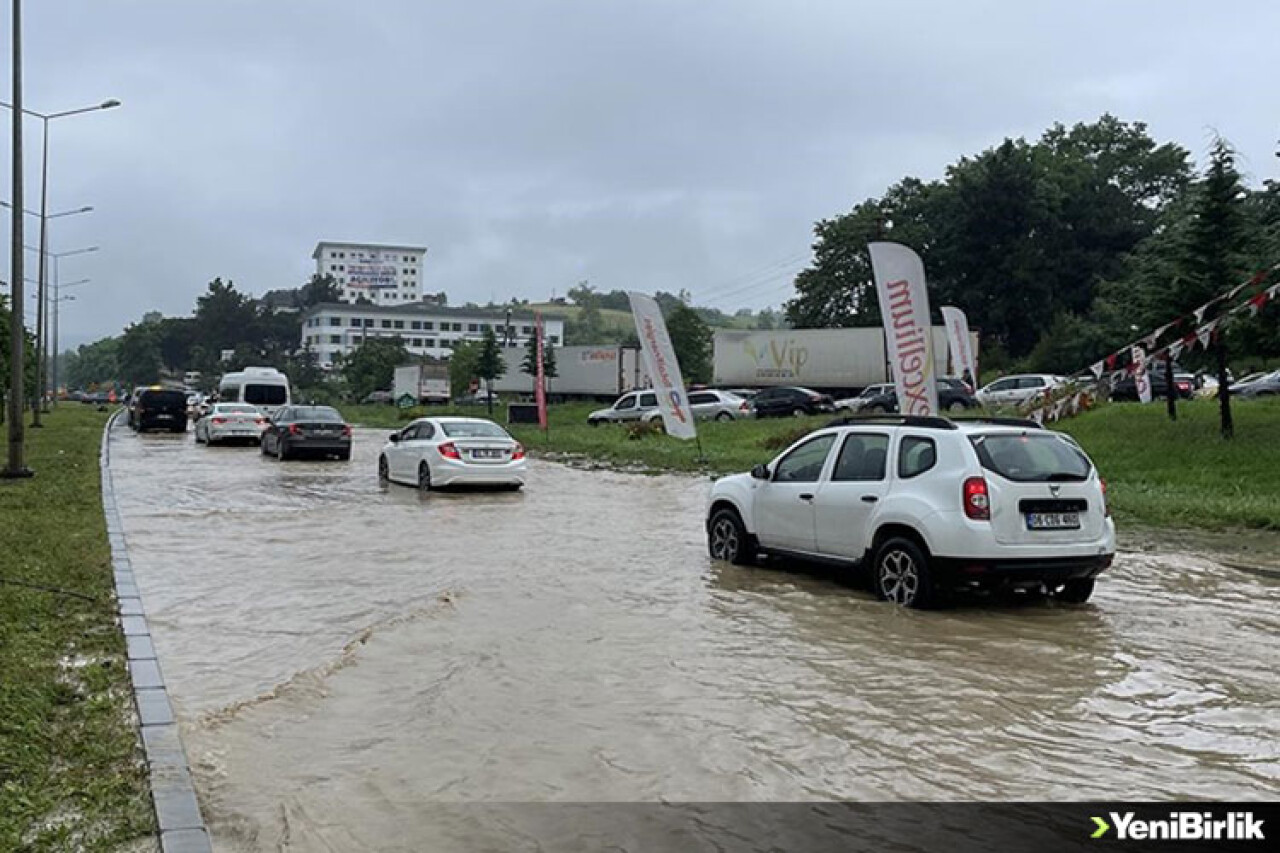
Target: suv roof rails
{"x": 1014, "y": 422}
{"x": 904, "y": 420}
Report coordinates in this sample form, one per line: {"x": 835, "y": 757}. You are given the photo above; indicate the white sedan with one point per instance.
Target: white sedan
{"x": 445, "y": 451}
{"x": 231, "y": 422}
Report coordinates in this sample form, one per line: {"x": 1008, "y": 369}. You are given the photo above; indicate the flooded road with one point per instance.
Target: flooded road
{"x": 342, "y": 655}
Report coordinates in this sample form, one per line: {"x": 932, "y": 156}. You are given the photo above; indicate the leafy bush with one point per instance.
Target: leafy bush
{"x": 781, "y": 440}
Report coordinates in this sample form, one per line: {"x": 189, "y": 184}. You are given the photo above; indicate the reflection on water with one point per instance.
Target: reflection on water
{"x": 341, "y": 651}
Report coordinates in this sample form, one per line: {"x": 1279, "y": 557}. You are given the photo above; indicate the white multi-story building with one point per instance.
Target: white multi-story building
{"x": 384, "y": 275}
{"x": 332, "y": 328}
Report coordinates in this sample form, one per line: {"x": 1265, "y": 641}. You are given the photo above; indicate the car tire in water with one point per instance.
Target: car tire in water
{"x": 1075, "y": 591}
{"x": 282, "y": 452}
{"x": 902, "y": 574}
{"x": 728, "y": 540}
{"x": 384, "y": 471}
{"x": 424, "y": 476}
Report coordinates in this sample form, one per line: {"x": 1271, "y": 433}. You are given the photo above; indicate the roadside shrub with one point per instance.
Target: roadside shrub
{"x": 637, "y": 430}
{"x": 780, "y": 440}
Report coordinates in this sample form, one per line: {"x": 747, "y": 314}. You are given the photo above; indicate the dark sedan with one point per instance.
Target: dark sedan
{"x": 953, "y": 396}
{"x": 1127, "y": 388}
{"x": 780, "y": 402}
{"x": 307, "y": 431}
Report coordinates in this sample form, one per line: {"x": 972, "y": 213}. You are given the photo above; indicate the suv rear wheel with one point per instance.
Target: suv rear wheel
{"x": 902, "y": 574}
{"x": 728, "y": 540}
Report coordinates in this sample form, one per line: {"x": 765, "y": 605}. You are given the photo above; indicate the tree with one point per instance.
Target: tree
{"x": 320, "y": 289}
{"x": 139, "y": 356}
{"x": 28, "y": 359}
{"x": 691, "y": 340}
{"x": 463, "y": 366}
{"x": 529, "y": 366}
{"x": 490, "y": 364}
{"x": 94, "y": 364}
{"x": 372, "y": 365}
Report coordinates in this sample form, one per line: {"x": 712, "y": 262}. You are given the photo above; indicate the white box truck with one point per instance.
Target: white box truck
{"x": 821, "y": 359}
{"x": 604, "y": 372}
{"x": 426, "y": 383}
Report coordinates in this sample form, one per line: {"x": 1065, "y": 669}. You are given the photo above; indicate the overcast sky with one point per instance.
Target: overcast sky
{"x": 531, "y": 144}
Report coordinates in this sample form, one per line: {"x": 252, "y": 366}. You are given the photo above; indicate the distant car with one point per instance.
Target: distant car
{"x": 791, "y": 400}
{"x": 632, "y": 406}
{"x": 853, "y": 405}
{"x": 479, "y": 398}
{"x": 712, "y": 404}
{"x": 1017, "y": 389}
{"x": 158, "y": 408}
{"x": 231, "y": 422}
{"x": 744, "y": 393}
{"x": 307, "y": 431}
{"x": 378, "y": 398}
{"x": 451, "y": 451}
{"x": 1127, "y": 387}
{"x": 1267, "y": 386}
{"x": 953, "y": 396}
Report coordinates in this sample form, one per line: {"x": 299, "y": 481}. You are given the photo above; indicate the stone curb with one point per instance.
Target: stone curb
{"x": 181, "y": 826}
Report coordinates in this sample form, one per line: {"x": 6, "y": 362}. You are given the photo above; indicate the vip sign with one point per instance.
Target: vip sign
{"x": 778, "y": 359}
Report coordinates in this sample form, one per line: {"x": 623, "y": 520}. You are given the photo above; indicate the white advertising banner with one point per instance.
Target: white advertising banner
{"x": 660, "y": 361}
{"x": 371, "y": 269}
{"x": 1140, "y": 377}
{"x": 904, "y": 307}
{"x": 961, "y": 345}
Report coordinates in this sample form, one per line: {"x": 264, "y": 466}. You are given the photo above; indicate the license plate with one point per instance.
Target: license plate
{"x": 486, "y": 454}
{"x": 1053, "y": 521}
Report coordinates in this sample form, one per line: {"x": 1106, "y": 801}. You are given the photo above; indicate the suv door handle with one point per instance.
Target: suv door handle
{"x": 806, "y": 497}
{"x": 870, "y": 498}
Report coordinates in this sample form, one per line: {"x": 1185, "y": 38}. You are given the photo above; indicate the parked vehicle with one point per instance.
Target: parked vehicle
{"x": 926, "y": 505}
{"x": 1015, "y": 390}
{"x": 479, "y": 398}
{"x": 426, "y": 382}
{"x": 853, "y": 405}
{"x": 158, "y": 408}
{"x": 1267, "y": 385}
{"x": 633, "y": 406}
{"x": 824, "y": 359}
{"x": 378, "y": 398}
{"x": 953, "y": 396}
{"x": 231, "y": 422}
{"x": 297, "y": 431}
{"x": 1127, "y": 387}
{"x": 711, "y": 404}
{"x": 790, "y": 400}
{"x": 583, "y": 372}
{"x": 264, "y": 387}
{"x": 450, "y": 451}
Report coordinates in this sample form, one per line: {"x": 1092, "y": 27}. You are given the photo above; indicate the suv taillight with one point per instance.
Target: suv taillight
{"x": 977, "y": 503}
{"x": 1106, "y": 507}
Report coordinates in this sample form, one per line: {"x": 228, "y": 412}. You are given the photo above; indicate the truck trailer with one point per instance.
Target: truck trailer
{"x": 830, "y": 360}
{"x": 582, "y": 372}
{"x": 426, "y": 383}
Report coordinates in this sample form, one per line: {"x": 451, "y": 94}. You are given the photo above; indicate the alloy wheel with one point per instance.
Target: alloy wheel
{"x": 724, "y": 540}
{"x": 899, "y": 577}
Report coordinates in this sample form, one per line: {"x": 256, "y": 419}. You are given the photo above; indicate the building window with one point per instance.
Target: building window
{"x": 335, "y": 321}
{"x": 335, "y": 339}
{"x": 427, "y": 325}
{"x": 333, "y": 254}
{"x": 429, "y": 342}
{"x": 386, "y": 324}
{"x": 415, "y": 324}
{"x": 355, "y": 323}
{"x": 342, "y": 254}
{"x": 399, "y": 324}
{"x": 417, "y": 342}
{"x": 555, "y": 339}
{"x": 368, "y": 322}
{"x": 526, "y": 330}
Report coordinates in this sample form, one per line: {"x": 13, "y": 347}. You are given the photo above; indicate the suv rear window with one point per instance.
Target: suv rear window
{"x": 1031, "y": 458}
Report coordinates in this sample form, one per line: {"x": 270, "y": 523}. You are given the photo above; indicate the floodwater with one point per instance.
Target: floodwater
{"x": 344, "y": 655}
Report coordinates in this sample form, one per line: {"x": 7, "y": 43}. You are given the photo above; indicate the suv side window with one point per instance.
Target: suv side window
{"x": 915, "y": 456}
{"x": 627, "y": 402}
{"x": 804, "y": 464}
{"x": 648, "y": 401}
{"x": 862, "y": 458}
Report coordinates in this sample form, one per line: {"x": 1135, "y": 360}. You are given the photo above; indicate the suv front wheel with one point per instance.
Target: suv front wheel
{"x": 902, "y": 574}
{"x": 728, "y": 540}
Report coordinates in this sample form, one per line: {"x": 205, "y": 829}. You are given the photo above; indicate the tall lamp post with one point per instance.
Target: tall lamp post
{"x": 45, "y": 118}
{"x": 57, "y": 299}
{"x": 16, "y": 466}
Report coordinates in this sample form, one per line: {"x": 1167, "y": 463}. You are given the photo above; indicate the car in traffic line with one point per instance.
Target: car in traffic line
{"x": 298, "y": 431}
{"x": 791, "y": 400}
{"x": 158, "y": 408}
{"x": 231, "y": 422}
{"x": 926, "y": 504}
{"x": 453, "y": 451}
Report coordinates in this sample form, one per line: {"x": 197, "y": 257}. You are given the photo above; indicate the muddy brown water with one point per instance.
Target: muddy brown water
{"x": 343, "y": 654}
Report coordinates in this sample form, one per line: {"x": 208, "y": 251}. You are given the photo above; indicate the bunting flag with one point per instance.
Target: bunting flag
{"x": 1111, "y": 360}
{"x": 1097, "y": 369}
{"x": 1175, "y": 349}
{"x": 1257, "y": 303}
{"x": 1205, "y": 332}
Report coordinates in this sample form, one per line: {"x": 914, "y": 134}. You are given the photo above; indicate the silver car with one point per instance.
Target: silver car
{"x": 713, "y": 405}
{"x": 231, "y": 422}
{"x": 854, "y": 404}
{"x": 632, "y": 406}
{"x": 1018, "y": 389}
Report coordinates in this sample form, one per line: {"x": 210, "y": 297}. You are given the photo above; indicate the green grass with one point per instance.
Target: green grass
{"x": 72, "y": 775}
{"x": 1183, "y": 474}
{"x": 1158, "y": 472}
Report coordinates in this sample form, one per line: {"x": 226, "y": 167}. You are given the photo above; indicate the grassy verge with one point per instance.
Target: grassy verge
{"x": 1158, "y": 472}
{"x": 72, "y": 775}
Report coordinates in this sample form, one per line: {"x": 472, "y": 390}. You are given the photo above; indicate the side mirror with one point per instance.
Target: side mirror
{"x": 394, "y": 438}
{"x": 760, "y": 472}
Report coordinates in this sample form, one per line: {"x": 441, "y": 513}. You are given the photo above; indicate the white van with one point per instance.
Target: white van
{"x": 264, "y": 387}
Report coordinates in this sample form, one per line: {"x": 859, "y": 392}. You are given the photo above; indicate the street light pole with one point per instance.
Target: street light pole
{"x": 57, "y": 298}
{"x": 16, "y": 466}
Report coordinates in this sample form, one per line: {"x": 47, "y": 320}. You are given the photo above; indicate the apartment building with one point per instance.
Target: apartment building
{"x": 384, "y": 275}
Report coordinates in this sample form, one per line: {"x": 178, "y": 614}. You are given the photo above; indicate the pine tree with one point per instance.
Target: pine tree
{"x": 490, "y": 365}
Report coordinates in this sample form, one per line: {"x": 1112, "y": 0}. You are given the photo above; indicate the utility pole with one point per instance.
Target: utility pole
{"x": 16, "y": 467}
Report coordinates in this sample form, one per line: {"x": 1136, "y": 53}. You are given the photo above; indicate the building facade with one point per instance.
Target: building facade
{"x": 384, "y": 275}
{"x": 332, "y": 328}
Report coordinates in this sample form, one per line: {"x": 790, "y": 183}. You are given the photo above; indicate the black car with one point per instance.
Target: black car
{"x": 159, "y": 408}
{"x": 953, "y": 396}
{"x": 781, "y": 402}
{"x": 307, "y": 431}
{"x": 1127, "y": 388}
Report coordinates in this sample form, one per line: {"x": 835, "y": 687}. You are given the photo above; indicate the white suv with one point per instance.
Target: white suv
{"x": 929, "y": 504}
